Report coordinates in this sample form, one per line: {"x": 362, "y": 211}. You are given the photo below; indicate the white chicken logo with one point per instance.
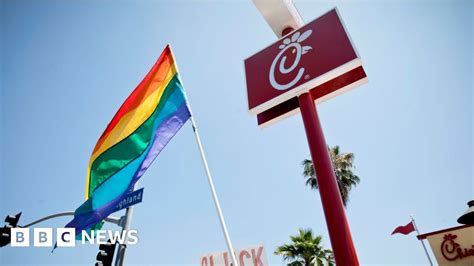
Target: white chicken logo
{"x": 293, "y": 43}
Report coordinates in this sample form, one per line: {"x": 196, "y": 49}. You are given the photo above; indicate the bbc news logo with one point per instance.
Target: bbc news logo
{"x": 66, "y": 237}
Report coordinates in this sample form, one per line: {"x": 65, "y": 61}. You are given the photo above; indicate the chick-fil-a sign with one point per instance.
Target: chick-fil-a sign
{"x": 253, "y": 256}
{"x": 452, "y": 250}
{"x": 302, "y": 60}
{"x": 452, "y": 246}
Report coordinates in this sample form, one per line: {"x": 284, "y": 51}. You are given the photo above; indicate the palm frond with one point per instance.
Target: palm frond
{"x": 305, "y": 249}
{"x": 343, "y": 164}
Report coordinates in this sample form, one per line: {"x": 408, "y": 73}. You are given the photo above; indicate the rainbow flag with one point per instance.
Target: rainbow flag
{"x": 141, "y": 128}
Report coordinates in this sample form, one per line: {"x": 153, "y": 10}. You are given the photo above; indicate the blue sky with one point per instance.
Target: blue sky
{"x": 66, "y": 66}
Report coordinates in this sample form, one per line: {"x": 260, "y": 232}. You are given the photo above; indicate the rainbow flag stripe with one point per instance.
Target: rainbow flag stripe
{"x": 141, "y": 128}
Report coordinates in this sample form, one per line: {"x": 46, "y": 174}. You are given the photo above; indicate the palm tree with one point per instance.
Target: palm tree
{"x": 305, "y": 250}
{"x": 342, "y": 163}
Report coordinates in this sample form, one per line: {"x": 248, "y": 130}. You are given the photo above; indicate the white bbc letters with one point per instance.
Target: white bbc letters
{"x": 43, "y": 237}
{"x": 20, "y": 237}
{"x": 66, "y": 237}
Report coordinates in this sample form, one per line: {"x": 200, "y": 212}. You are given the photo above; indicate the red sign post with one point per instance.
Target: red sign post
{"x": 312, "y": 63}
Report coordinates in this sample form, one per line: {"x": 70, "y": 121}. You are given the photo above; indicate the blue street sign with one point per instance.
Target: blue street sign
{"x": 130, "y": 199}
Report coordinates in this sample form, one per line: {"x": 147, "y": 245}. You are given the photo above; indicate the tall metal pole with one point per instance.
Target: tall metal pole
{"x": 338, "y": 227}
{"x": 214, "y": 194}
{"x": 422, "y": 243}
{"x": 125, "y": 228}
{"x": 230, "y": 248}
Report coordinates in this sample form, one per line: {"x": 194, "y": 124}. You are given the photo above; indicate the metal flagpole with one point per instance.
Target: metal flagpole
{"x": 213, "y": 191}
{"x": 129, "y": 211}
{"x": 422, "y": 243}
{"x": 209, "y": 179}
{"x": 125, "y": 223}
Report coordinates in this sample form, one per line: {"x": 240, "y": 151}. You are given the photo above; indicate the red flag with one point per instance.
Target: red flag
{"x": 404, "y": 229}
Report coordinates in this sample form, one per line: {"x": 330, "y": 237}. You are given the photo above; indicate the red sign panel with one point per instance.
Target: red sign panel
{"x": 311, "y": 56}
